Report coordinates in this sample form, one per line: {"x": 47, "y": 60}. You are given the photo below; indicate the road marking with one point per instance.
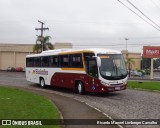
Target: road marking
{"x": 120, "y": 126}
{"x": 104, "y": 114}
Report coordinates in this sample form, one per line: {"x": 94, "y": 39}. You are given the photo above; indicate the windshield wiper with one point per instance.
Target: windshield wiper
{"x": 117, "y": 70}
{"x": 115, "y": 66}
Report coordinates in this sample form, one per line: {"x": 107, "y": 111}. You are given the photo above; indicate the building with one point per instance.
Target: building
{"x": 13, "y": 55}
{"x": 59, "y": 45}
{"x": 136, "y": 57}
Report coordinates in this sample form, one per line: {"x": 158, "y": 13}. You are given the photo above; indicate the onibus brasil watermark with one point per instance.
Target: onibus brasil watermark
{"x": 79, "y": 122}
{"x": 129, "y": 122}
{"x": 21, "y": 122}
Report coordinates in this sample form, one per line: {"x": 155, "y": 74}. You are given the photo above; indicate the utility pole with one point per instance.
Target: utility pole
{"x": 42, "y": 29}
{"x": 127, "y": 57}
{"x": 126, "y": 42}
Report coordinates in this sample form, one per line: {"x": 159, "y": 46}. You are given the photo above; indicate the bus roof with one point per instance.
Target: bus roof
{"x": 67, "y": 50}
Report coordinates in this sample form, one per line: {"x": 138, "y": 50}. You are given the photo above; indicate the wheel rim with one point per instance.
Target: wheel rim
{"x": 79, "y": 88}
{"x": 42, "y": 83}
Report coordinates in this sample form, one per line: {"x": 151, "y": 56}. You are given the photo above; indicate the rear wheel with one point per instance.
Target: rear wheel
{"x": 80, "y": 88}
{"x": 42, "y": 82}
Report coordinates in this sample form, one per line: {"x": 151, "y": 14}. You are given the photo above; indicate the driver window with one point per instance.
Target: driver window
{"x": 91, "y": 64}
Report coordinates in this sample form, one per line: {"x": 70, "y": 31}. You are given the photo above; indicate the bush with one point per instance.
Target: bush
{"x": 147, "y": 71}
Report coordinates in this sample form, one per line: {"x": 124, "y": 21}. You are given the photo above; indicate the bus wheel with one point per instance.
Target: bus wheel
{"x": 42, "y": 82}
{"x": 80, "y": 88}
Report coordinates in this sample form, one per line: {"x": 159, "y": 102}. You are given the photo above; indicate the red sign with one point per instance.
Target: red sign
{"x": 151, "y": 52}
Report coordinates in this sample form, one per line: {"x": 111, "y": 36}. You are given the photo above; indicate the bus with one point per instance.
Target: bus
{"x": 94, "y": 70}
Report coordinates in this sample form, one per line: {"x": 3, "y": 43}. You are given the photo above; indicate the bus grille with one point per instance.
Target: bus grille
{"x": 116, "y": 84}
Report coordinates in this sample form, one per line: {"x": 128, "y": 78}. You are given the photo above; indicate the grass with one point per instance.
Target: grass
{"x": 144, "y": 85}
{"x": 18, "y": 104}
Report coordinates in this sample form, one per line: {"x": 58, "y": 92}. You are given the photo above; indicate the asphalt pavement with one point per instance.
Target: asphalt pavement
{"x": 69, "y": 108}
{"x": 126, "y": 104}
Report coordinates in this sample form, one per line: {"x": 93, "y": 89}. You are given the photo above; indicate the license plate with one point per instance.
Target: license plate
{"x": 117, "y": 88}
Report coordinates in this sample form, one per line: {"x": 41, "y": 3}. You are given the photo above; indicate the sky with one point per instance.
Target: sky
{"x": 84, "y": 23}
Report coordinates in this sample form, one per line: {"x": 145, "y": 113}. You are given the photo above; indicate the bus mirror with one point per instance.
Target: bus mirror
{"x": 99, "y": 61}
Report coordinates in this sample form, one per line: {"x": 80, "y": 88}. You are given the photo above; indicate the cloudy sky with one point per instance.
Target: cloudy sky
{"x": 84, "y": 23}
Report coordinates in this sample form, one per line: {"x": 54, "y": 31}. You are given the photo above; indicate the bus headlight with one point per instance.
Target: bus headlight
{"x": 105, "y": 84}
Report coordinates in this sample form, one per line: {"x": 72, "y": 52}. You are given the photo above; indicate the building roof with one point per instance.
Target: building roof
{"x": 16, "y": 47}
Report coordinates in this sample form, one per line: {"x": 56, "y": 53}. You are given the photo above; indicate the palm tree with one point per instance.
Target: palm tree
{"x": 43, "y": 45}
{"x": 37, "y": 48}
{"x": 129, "y": 62}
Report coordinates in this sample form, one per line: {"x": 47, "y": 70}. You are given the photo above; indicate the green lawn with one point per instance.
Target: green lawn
{"x": 18, "y": 104}
{"x": 148, "y": 85}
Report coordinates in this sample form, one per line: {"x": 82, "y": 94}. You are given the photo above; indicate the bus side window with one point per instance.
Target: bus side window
{"x": 27, "y": 62}
{"x": 30, "y": 62}
{"x": 45, "y": 61}
{"x": 53, "y": 61}
{"x": 76, "y": 60}
{"x": 37, "y": 62}
{"x": 64, "y": 60}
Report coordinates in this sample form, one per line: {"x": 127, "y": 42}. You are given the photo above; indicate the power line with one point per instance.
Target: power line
{"x": 81, "y": 45}
{"x": 138, "y": 15}
{"x": 143, "y": 13}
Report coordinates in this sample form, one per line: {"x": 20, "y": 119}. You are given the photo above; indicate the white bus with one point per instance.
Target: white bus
{"x": 86, "y": 70}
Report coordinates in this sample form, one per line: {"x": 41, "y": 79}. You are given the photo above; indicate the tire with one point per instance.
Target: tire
{"x": 80, "y": 88}
{"x": 42, "y": 82}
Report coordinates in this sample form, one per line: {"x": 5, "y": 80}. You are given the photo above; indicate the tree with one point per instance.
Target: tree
{"x": 37, "y": 48}
{"x": 42, "y": 44}
{"x": 129, "y": 62}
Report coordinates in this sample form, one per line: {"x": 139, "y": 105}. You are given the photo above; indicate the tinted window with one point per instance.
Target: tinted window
{"x": 30, "y": 62}
{"x": 27, "y": 62}
{"x": 64, "y": 61}
{"x": 53, "y": 61}
{"x": 45, "y": 61}
{"x": 37, "y": 62}
{"x": 76, "y": 60}
{"x": 88, "y": 56}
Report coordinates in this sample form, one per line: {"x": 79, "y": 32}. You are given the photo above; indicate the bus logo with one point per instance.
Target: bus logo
{"x": 39, "y": 71}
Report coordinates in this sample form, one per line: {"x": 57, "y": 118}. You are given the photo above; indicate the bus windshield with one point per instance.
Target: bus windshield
{"x": 112, "y": 66}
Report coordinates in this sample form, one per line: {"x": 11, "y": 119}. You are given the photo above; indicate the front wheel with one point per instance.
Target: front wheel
{"x": 42, "y": 82}
{"x": 80, "y": 88}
